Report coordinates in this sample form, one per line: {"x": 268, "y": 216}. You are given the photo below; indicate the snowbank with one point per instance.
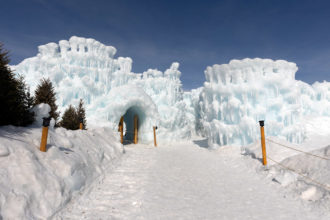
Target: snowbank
{"x": 303, "y": 175}
{"x": 34, "y": 184}
{"x": 313, "y": 168}
{"x": 239, "y": 94}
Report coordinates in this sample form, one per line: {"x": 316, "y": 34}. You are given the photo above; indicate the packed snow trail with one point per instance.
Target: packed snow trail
{"x": 184, "y": 181}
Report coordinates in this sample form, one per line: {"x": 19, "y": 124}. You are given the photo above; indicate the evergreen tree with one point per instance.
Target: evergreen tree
{"x": 13, "y": 96}
{"x": 25, "y": 116}
{"x": 29, "y": 98}
{"x": 81, "y": 114}
{"x": 70, "y": 119}
{"x": 45, "y": 93}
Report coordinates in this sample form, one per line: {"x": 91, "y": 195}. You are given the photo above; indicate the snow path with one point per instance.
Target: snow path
{"x": 184, "y": 182}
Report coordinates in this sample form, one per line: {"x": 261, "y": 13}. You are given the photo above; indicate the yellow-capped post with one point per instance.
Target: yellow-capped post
{"x": 135, "y": 139}
{"x": 121, "y": 129}
{"x": 81, "y": 125}
{"x": 45, "y": 124}
{"x": 263, "y": 143}
{"x": 155, "y": 141}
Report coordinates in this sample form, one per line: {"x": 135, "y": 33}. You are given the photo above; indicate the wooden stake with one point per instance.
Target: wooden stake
{"x": 155, "y": 141}
{"x": 122, "y": 134}
{"x": 121, "y": 129}
{"x": 135, "y": 129}
{"x": 263, "y": 143}
{"x": 44, "y": 139}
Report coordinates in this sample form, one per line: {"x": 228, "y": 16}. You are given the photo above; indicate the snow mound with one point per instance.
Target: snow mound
{"x": 86, "y": 69}
{"x": 42, "y": 111}
{"x": 4, "y": 152}
{"x": 34, "y": 184}
{"x": 303, "y": 174}
{"x": 239, "y": 94}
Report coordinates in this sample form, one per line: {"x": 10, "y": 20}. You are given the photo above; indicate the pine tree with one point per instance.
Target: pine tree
{"x": 29, "y": 98}
{"x": 8, "y": 91}
{"x": 70, "y": 119}
{"x": 45, "y": 93}
{"x": 81, "y": 114}
{"x": 25, "y": 116}
{"x": 13, "y": 96}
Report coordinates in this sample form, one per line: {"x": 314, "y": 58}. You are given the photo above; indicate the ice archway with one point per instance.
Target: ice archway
{"x": 128, "y": 101}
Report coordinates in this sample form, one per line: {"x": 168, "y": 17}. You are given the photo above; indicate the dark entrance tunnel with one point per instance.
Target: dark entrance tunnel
{"x": 129, "y": 123}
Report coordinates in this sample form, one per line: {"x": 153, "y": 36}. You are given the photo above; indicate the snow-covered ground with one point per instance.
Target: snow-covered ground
{"x": 85, "y": 175}
{"x": 34, "y": 184}
{"x": 188, "y": 181}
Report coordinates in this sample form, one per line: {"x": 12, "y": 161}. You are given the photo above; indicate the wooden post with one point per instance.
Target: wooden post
{"x": 263, "y": 143}
{"x": 135, "y": 129}
{"x": 81, "y": 126}
{"x": 44, "y": 139}
{"x": 121, "y": 134}
{"x": 45, "y": 124}
{"x": 155, "y": 141}
{"x": 121, "y": 129}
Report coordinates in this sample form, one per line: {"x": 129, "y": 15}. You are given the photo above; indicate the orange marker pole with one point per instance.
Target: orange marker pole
{"x": 44, "y": 139}
{"x": 263, "y": 143}
{"x": 122, "y": 134}
{"x": 155, "y": 141}
{"x": 121, "y": 129}
{"x": 81, "y": 126}
{"x": 44, "y": 135}
{"x": 135, "y": 129}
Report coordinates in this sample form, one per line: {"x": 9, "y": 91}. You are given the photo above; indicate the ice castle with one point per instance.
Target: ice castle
{"x": 226, "y": 109}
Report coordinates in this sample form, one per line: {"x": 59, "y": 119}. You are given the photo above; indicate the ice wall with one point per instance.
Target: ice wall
{"x": 165, "y": 89}
{"x": 85, "y": 68}
{"x": 191, "y": 100}
{"x": 316, "y": 101}
{"x": 239, "y": 94}
{"x": 79, "y": 68}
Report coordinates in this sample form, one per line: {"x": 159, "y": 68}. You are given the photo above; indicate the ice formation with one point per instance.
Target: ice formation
{"x": 85, "y": 68}
{"x": 226, "y": 109}
{"x": 239, "y": 94}
{"x": 191, "y": 99}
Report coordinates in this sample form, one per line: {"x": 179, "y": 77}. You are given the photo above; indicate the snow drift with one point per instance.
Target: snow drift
{"x": 301, "y": 174}
{"x": 35, "y": 184}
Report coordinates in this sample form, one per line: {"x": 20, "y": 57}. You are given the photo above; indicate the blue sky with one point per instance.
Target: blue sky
{"x": 195, "y": 33}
